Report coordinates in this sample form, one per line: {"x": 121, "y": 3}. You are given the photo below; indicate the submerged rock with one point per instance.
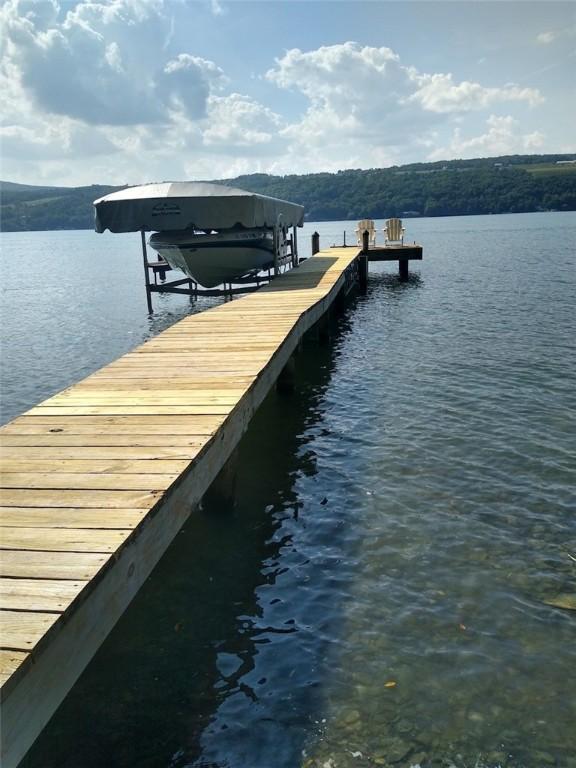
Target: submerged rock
{"x": 545, "y": 758}
{"x": 564, "y": 600}
{"x": 397, "y": 749}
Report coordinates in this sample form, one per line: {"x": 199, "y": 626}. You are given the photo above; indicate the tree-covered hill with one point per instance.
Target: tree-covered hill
{"x": 511, "y": 184}
{"x": 24, "y": 207}
{"x": 453, "y": 188}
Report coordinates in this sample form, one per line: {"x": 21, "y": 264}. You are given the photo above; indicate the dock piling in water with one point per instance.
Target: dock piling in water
{"x": 315, "y": 243}
{"x": 363, "y": 262}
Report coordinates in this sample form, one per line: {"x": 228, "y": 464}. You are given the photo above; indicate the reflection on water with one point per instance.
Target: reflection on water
{"x": 383, "y": 592}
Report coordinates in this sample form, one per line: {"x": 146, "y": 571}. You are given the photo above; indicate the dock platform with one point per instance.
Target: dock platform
{"x": 97, "y": 480}
{"x": 401, "y": 253}
{"x": 395, "y": 253}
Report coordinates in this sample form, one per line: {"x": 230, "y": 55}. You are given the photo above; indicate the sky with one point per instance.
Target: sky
{"x": 131, "y": 91}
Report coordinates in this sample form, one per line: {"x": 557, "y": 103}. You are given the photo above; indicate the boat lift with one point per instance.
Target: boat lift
{"x": 155, "y": 275}
{"x": 177, "y": 206}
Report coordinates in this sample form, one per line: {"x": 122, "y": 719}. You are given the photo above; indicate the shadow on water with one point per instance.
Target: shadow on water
{"x": 187, "y": 643}
{"x": 392, "y": 283}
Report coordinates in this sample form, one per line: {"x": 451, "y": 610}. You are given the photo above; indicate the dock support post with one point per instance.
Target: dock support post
{"x": 315, "y": 243}
{"x": 323, "y": 330}
{"x": 320, "y": 331}
{"x": 294, "y": 247}
{"x": 146, "y": 272}
{"x": 286, "y": 382}
{"x": 221, "y": 495}
{"x": 363, "y": 263}
{"x": 403, "y": 269}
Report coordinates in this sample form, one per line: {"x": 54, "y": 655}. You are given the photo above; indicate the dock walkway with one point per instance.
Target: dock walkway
{"x": 97, "y": 480}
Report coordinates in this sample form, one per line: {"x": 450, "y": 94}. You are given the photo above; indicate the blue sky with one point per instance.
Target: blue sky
{"x": 128, "y": 91}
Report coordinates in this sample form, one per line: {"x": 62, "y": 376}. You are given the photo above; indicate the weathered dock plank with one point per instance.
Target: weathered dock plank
{"x": 97, "y": 480}
{"x": 24, "y": 564}
{"x": 70, "y": 517}
{"x": 101, "y": 499}
{"x": 91, "y": 481}
{"x": 57, "y": 540}
{"x": 21, "y": 630}
{"x": 138, "y": 424}
{"x": 178, "y": 443}
{"x": 49, "y": 463}
{"x": 44, "y": 595}
{"x": 9, "y": 663}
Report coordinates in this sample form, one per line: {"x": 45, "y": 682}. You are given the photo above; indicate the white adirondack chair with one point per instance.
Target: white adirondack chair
{"x": 366, "y": 224}
{"x": 394, "y": 231}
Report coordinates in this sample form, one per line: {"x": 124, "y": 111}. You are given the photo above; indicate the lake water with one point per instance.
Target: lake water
{"x": 380, "y": 593}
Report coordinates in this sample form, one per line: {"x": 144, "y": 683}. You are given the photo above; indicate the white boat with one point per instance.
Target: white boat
{"x": 214, "y": 258}
{"x": 213, "y": 233}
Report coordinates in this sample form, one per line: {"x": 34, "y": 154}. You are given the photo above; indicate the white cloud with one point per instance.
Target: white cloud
{"x": 319, "y": 73}
{"x": 500, "y": 138}
{"x": 217, "y": 8}
{"x": 79, "y": 94}
{"x": 545, "y": 38}
{"x": 187, "y": 82}
{"x": 366, "y": 107}
{"x": 99, "y": 91}
{"x": 438, "y": 93}
{"x": 239, "y": 121}
{"x": 550, "y": 36}
{"x": 357, "y": 95}
{"x": 85, "y": 65}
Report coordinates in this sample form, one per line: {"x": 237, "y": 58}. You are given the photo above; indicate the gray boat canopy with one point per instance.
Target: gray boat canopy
{"x": 181, "y": 205}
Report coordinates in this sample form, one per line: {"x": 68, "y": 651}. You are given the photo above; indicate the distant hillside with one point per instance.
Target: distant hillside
{"x": 509, "y": 184}
{"x": 24, "y": 207}
{"x": 11, "y": 186}
{"x": 453, "y": 188}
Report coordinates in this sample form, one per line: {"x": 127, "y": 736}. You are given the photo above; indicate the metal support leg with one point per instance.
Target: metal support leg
{"x": 146, "y": 272}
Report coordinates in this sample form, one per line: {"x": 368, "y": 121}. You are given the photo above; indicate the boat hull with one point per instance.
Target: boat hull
{"x": 214, "y": 259}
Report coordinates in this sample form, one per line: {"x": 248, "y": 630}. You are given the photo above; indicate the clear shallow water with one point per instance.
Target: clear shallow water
{"x": 401, "y": 520}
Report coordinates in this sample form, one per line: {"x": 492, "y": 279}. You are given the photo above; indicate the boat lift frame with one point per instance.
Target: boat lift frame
{"x": 247, "y": 284}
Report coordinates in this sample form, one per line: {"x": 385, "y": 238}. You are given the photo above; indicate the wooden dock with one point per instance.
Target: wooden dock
{"x": 403, "y": 254}
{"x": 400, "y": 252}
{"x": 98, "y": 479}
